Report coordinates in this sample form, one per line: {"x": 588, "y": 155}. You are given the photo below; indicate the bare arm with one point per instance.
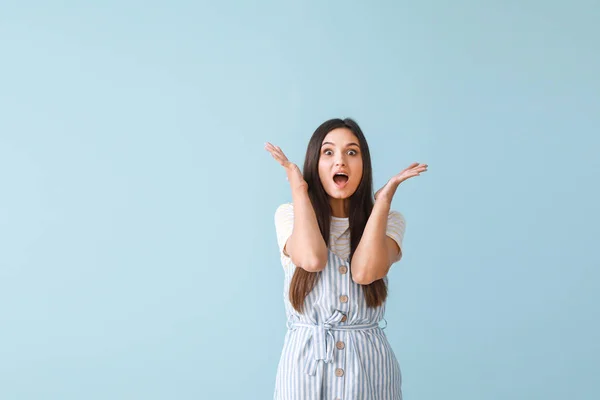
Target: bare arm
{"x": 305, "y": 246}
{"x": 376, "y": 252}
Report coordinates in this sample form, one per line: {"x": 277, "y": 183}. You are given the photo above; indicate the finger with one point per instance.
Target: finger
{"x": 269, "y": 146}
{"x": 407, "y": 175}
{"x": 276, "y": 153}
{"x": 280, "y": 152}
{"x": 277, "y": 157}
{"x": 411, "y": 166}
{"x": 416, "y": 170}
{"x": 419, "y": 166}
{"x": 273, "y": 149}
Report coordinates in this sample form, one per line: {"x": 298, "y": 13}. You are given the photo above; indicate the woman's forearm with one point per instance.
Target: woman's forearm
{"x": 370, "y": 261}
{"x": 306, "y": 246}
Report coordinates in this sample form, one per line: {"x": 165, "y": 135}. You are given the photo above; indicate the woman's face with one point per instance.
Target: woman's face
{"x": 340, "y": 163}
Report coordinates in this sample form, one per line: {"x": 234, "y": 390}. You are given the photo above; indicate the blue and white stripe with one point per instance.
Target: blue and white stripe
{"x": 324, "y": 357}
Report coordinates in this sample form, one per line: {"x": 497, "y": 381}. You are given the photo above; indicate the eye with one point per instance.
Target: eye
{"x": 328, "y": 152}
{"x": 352, "y": 152}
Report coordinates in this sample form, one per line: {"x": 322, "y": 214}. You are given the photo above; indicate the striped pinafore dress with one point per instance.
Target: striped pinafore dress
{"x": 337, "y": 348}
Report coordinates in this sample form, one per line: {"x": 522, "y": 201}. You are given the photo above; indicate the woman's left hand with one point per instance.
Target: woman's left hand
{"x": 386, "y": 193}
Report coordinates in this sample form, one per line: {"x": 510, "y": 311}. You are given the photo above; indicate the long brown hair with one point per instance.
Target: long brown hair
{"x": 361, "y": 205}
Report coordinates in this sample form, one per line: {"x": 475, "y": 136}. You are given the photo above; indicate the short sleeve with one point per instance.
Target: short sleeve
{"x": 284, "y": 224}
{"x": 396, "y": 226}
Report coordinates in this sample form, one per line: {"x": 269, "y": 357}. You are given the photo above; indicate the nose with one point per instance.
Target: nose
{"x": 339, "y": 161}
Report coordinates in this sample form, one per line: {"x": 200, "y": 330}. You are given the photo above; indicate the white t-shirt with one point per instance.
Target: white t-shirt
{"x": 339, "y": 236}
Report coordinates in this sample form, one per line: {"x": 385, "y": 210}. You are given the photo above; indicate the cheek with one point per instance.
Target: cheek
{"x": 357, "y": 168}
{"x": 322, "y": 174}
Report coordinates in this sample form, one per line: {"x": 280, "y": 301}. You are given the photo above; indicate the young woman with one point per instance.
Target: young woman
{"x": 337, "y": 243}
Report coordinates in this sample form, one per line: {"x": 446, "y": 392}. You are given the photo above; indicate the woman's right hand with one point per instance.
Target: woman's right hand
{"x": 294, "y": 176}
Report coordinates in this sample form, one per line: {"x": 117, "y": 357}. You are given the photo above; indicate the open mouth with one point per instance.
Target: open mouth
{"x": 340, "y": 180}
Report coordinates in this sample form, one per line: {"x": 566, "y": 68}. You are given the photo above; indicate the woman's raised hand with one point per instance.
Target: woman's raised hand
{"x": 387, "y": 192}
{"x": 294, "y": 176}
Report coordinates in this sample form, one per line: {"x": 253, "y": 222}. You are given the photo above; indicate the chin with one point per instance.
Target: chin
{"x": 340, "y": 194}
{"x": 339, "y": 197}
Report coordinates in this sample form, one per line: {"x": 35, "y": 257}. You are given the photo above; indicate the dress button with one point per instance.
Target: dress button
{"x": 340, "y": 345}
{"x": 343, "y": 269}
{"x": 344, "y": 298}
{"x": 339, "y": 372}
{"x": 344, "y": 318}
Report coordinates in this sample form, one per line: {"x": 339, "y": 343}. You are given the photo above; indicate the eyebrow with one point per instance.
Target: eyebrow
{"x": 348, "y": 145}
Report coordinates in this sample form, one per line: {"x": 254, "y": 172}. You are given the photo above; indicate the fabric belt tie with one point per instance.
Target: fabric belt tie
{"x": 323, "y": 342}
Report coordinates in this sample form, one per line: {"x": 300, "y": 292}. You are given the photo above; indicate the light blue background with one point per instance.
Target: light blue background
{"x": 138, "y": 257}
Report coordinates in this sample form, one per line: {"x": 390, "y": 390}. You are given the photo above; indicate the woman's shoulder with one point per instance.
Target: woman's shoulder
{"x": 395, "y": 214}
{"x": 284, "y": 208}
{"x": 396, "y": 218}
{"x": 284, "y": 214}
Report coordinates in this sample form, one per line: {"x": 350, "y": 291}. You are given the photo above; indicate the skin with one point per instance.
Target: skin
{"x": 305, "y": 246}
{"x": 340, "y": 151}
{"x": 376, "y": 252}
